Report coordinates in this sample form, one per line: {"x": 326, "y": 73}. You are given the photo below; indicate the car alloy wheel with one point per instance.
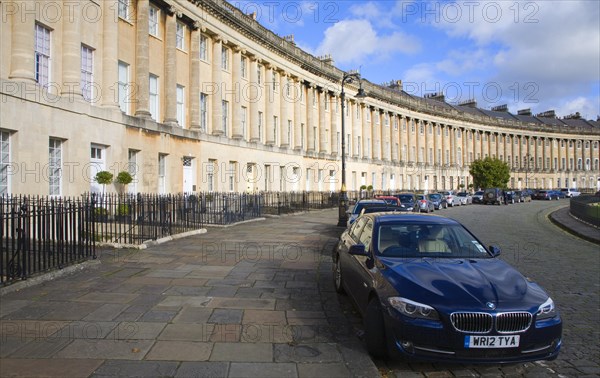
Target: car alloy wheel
{"x": 337, "y": 276}
{"x": 375, "y": 330}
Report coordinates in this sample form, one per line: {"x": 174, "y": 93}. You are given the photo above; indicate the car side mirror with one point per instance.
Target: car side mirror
{"x": 495, "y": 250}
{"x": 358, "y": 250}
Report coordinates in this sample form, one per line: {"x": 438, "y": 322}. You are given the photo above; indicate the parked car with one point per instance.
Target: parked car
{"x": 424, "y": 204}
{"x": 510, "y": 197}
{"x": 570, "y": 192}
{"x": 522, "y": 196}
{"x": 451, "y": 198}
{"x": 560, "y": 194}
{"x": 465, "y": 198}
{"x": 438, "y": 200}
{"x": 408, "y": 200}
{"x": 390, "y": 200}
{"x": 360, "y": 205}
{"x": 546, "y": 195}
{"x": 493, "y": 196}
{"x": 478, "y": 197}
{"x": 427, "y": 288}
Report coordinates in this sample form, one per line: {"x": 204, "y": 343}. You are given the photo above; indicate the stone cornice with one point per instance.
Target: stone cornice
{"x": 249, "y": 27}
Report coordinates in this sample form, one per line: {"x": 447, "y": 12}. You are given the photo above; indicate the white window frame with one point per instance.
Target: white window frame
{"x": 181, "y": 105}
{"x": 55, "y": 166}
{"x": 243, "y": 66}
{"x": 87, "y": 72}
{"x": 4, "y": 162}
{"x": 225, "y": 58}
{"x": 154, "y": 98}
{"x": 225, "y": 116}
{"x": 153, "y": 13}
{"x": 180, "y": 36}
{"x": 132, "y": 168}
{"x": 124, "y": 9}
{"x": 243, "y": 120}
{"x": 43, "y": 48}
{"x": 203, "y": 48}
{"x": 203, "y": 111}
{"x": 124, "y": 86}
{"x": 162, "y": 173}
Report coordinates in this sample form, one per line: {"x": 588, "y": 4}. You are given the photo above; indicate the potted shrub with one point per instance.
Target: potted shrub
{"x": 100, "y": 214}
{"x": 103, "y": 178}
{"x": 123, "y": 213}
{"x": 124, "y": 178}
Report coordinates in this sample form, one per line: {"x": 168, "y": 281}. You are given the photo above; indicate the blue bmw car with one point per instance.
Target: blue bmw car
{"x": 427, "y": 288}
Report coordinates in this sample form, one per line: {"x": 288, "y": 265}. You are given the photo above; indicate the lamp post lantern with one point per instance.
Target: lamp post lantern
{"x": 343, "y": 201}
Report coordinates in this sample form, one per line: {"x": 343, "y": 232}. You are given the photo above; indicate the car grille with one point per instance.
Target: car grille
{"x": 481, "y": 322}
{"x": 472, "y": 322}
{"x": 509, "y": 322}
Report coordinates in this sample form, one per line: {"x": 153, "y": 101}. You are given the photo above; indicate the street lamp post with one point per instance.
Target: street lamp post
{"x": 343, "y": 201}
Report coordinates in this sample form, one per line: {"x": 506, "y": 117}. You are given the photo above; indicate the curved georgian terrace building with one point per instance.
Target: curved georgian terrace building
{"x": 195, "y": 95}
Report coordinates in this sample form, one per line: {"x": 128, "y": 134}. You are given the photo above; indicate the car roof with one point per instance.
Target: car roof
{"x": 371, "y": 201}
{"x": 384, "y": 218}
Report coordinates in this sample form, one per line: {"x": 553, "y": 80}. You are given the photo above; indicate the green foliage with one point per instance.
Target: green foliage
{"x": 100, "y": 211}
{"x": 104, "y": 177}
{"x": 363, "y": 187}
{"x": 124, "y": 178}
{"x": 123, "y": 209}
{"x": 370, "y": 187}
{"x": 490, "y": 173}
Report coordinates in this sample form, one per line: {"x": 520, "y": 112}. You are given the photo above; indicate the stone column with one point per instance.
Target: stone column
{"x": 71, "y": 51}
{"x": 386, "y": 137}
{"x": 395, "y": 144}
{"x": 269, "y": 103}
{"x": 366, "y": 134}
{"x": 322, "y": 122}
{"x": 236, "y": 108}
{"x": 110, "y": 61}
{"x": 170, "y": 83}
{"x": 254, "y": 94}
{"x": 377, "y": 135}
{"x": 141, "y": 96}
{"x": 217, "y": 98}
{"x": 284, "y": 99}
{"x": 333, "y": 123}
{"x": 22, "y": 59}
{"x": 195, "y": 77}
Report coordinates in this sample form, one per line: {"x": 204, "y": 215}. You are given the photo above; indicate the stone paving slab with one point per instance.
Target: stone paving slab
{"x": 180, "y": 351}
{"x": 149, "y": 369}
{"x": 61, "y": 368}
{"x": 266, "y": 370}
{"x": 238, "y": 352}
{"x": 106, "y": 349}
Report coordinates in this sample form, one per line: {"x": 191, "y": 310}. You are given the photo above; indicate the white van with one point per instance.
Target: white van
{"x": 570, "y": 192}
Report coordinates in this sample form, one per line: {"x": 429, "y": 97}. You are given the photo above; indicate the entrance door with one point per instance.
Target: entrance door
{"x": 188, "y": 174}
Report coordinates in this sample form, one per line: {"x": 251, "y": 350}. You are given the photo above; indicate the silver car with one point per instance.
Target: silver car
{"x": 465, "y": 198}
{"x": 424, "y": 204}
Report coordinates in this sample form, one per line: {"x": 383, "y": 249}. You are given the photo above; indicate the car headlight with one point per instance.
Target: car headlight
{"x": 546, "y": 310}
{"x": 413, "y": 309}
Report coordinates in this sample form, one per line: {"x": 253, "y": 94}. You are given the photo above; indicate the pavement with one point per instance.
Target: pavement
{"x": 256, "y": 299}
{"x": 563, "y": 218}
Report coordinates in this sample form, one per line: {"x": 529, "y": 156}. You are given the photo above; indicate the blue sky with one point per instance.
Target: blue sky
{"x": 527, "y": 54}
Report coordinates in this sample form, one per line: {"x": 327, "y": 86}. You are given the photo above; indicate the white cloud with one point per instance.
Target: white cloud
{"x": 355, "y": 41}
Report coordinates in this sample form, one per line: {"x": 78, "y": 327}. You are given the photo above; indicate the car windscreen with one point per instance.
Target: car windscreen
{"x": 420, "y": 240}
{"x": 361, "y": 205}
{"x": 406, "y": 198}
{"x": 435, "y": 197}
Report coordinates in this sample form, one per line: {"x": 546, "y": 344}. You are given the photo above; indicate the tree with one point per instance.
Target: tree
{"x": 124, "y": 178}
{"x": 490, "y": 173}
{"x": 103, "y": 178}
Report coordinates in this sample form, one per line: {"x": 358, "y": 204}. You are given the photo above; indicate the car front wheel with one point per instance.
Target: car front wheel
{"x": 375, "y": 330}
{"x": 338, "y": 281}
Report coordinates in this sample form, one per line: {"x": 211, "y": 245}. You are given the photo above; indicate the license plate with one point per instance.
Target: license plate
{"x": 508, "y": 341}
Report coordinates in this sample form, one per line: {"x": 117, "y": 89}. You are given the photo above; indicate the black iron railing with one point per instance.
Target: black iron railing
{"x": 39, "y": 234}
{"x": 586, "y": 208}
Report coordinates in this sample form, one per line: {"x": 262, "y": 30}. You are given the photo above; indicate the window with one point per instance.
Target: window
{"x": 124, "y": 87}
{"x": 243, "y": 65}
{"x": 162, "y": 173}
{"x": 421, "y": 130}
{"x": 289, "y": 132}
{"x": 42, "y": 55}
{"x": 274, "y": 81}
{"x": 124, "y": 9}
{"x": 4, "y": 162}
{"x": 87, "y": 67}
{"x": 153, "y": 21}
{"x": 179, "y": 36}
{"x": 395, "y": 124}
{"x": 259, "y": 74}
{"x": 132, "y": 168}
{"x": 203, "y": 47}
{"x": 225, "y": 112}
{"x": 153, "y": 97}
{"x": 210, "y": 174}
{"x": 203, "y": 111}
{"x": 54, "y": 165}
{"x": 243, "y": 119}
{"x": 180, "y": 106}
{"x": 260, "y": 120}
{"x": 275, "y": 127}
{"x": 225, "y": 58}
{"x": 231, "y": 175}
{"x": 579, "y": 164}
{"x": 368, "y": 115}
